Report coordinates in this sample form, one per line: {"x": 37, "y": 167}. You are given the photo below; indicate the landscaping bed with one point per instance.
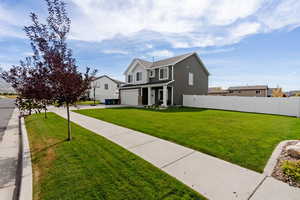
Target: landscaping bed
{"x": 246, "y": 139}
{"x": 287, "y": 168}
{"x": 91, "y": 167}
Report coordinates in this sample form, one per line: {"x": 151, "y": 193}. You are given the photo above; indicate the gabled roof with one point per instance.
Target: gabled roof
{"x": 165, "y": 62}
{"x": 114, "y": 80}
{"x": 171, "y": 61}
{"x": 253, "y": 87}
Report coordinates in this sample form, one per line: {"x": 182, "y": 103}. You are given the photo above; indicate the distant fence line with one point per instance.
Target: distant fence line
{"x": 268, "y": 105}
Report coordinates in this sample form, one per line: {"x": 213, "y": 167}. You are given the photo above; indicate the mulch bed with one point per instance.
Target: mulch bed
{"x": 278, "y": 173}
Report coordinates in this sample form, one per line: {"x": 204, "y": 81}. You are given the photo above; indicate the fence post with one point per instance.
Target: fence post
{"x": 298, "y": 113}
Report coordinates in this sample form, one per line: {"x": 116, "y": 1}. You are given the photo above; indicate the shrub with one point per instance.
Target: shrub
{"x": 292, "y": 170}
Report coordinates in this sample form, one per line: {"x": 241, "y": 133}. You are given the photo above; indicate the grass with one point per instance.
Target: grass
{"x": 87, "y": 102}
{"x": 91, "y": 167}
{"x": 83, "y": 103}
{"x": 10, "y": 96}
{"x": 245, "y": 139}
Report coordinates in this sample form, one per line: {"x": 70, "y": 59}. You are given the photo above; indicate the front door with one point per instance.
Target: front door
{"x": 160, "y": 96}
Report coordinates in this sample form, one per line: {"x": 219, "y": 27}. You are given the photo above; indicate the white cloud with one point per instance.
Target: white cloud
{"x": 115, "y": 51}
{"x": 285, "y": 14}
{"x": 160, "y": 54}
{"x": 149, "y": 46}
{"x": 215, "y": 51}
{"x": 182, "y": 23}
{"x": 191, "y": 23}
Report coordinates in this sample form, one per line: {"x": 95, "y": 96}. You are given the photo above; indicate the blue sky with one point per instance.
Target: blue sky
{"x": 240, "y": 42}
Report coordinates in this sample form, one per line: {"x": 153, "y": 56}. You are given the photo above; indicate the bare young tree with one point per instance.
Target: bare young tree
{"x": 52, "y": 54}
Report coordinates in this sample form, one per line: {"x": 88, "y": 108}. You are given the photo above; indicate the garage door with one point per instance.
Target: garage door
{"x": 130, "y": 97}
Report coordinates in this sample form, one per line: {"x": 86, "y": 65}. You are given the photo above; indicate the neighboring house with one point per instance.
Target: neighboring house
{"x": 5, "y": 87}
{"x": 165, "y": 81}
{"x": 293, "y": 93}
{"x": 249, "y": 91}
{"x": 217, "y": 91}
{"x": 105, "y": 88}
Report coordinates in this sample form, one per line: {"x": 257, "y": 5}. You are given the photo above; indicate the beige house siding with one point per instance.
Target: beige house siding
{"x": 248, "y": 93}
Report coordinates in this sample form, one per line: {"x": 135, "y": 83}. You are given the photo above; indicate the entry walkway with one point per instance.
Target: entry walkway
{"x": 210, "y": 176}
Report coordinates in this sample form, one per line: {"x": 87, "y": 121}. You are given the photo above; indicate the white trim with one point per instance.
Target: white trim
{"x": 167, "y": 73}
{"x": 141, "y": 80}
{"x": 172, "y": 72}
{"x": 131, "y": 81}
{"x": 172, "y": 95}
{"x": 191, "y": 79}
{"x": 133, "y": 64}
{"x": 146, "y": 85}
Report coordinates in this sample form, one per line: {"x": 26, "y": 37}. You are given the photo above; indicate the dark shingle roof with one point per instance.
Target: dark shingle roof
{"x": 164, "y": 62}
{"x": 115, "y": 80}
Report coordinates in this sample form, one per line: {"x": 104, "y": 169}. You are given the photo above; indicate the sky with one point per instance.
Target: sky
{"x": 240, "y": 42}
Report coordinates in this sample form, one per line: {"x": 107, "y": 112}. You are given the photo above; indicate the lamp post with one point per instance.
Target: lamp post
{"x": 95, "y": 85}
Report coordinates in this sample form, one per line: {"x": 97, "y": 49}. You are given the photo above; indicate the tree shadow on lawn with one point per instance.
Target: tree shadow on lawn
{"x": 38, "y": 153}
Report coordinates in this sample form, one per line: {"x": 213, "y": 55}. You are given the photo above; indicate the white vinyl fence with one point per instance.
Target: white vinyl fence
{"x": 278, "y": 106}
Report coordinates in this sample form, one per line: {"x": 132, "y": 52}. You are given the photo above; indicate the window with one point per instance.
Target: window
{"x": 191, "y": 78}
{"x": 257, "y": 91}
{"x": 163, "y": 73}
{"x": 138, "y": 76}
{"x": 129, "y": 78}
{"x": 152, "y": 73}
{"x": 106, "y": 86}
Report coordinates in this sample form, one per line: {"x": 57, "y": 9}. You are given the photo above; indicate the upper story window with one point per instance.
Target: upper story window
{"x": 138, "y": 76}
{"x": 163, "y": 73}
{"x": 106, "y": 86}
{"x": 152, "y": 73}
{"x": 191, "y": 79}
{"x": 129, "y": 78}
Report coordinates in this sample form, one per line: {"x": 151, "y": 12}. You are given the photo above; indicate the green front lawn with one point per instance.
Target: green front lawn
{"x": 245, "y": 139}
{"x": 87, "y": 102}
{"x": 91, "y": 167}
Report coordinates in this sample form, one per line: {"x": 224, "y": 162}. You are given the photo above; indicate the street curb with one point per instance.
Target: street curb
{"x": 26, "y": 167}
{"x": 268, "y": 170}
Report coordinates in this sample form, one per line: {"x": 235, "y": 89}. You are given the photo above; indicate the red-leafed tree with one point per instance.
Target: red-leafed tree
{"x": 52, "y": 74}
{"x": 52, "y": 54}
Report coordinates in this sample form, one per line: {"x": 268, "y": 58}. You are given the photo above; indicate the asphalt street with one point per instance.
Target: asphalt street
{"x": 6, "y": 108}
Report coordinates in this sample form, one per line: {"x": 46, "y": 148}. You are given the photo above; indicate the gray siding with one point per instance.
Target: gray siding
{"x": 181, "y": 77}
{"x": 156, "y": 78}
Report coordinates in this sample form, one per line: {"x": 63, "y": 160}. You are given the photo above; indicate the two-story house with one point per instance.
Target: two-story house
{"x": 164, "y": 82}
{"x": 105, "y": 87}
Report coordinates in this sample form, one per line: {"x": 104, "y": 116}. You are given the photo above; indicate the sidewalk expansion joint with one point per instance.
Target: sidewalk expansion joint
{"x": 256, "y": 188}
{"x": 182, "y": 157}
{"x": 138, "y": 145}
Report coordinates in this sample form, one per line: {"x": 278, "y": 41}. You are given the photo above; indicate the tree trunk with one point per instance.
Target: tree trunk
{"x": 69, "y": 125}
{"x": 94, "y": 96}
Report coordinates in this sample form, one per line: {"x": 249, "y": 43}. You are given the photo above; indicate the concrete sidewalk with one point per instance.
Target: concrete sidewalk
{"x": 210, "y": 176}
{"x": 9, "y": 152}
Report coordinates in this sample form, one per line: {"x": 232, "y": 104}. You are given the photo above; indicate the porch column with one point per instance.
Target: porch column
{"x": 165, "y": 96}
{"x": 149, "y": 96}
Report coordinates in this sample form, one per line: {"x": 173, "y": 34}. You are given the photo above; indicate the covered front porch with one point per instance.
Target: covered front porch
{"x": 157, "y": 95}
